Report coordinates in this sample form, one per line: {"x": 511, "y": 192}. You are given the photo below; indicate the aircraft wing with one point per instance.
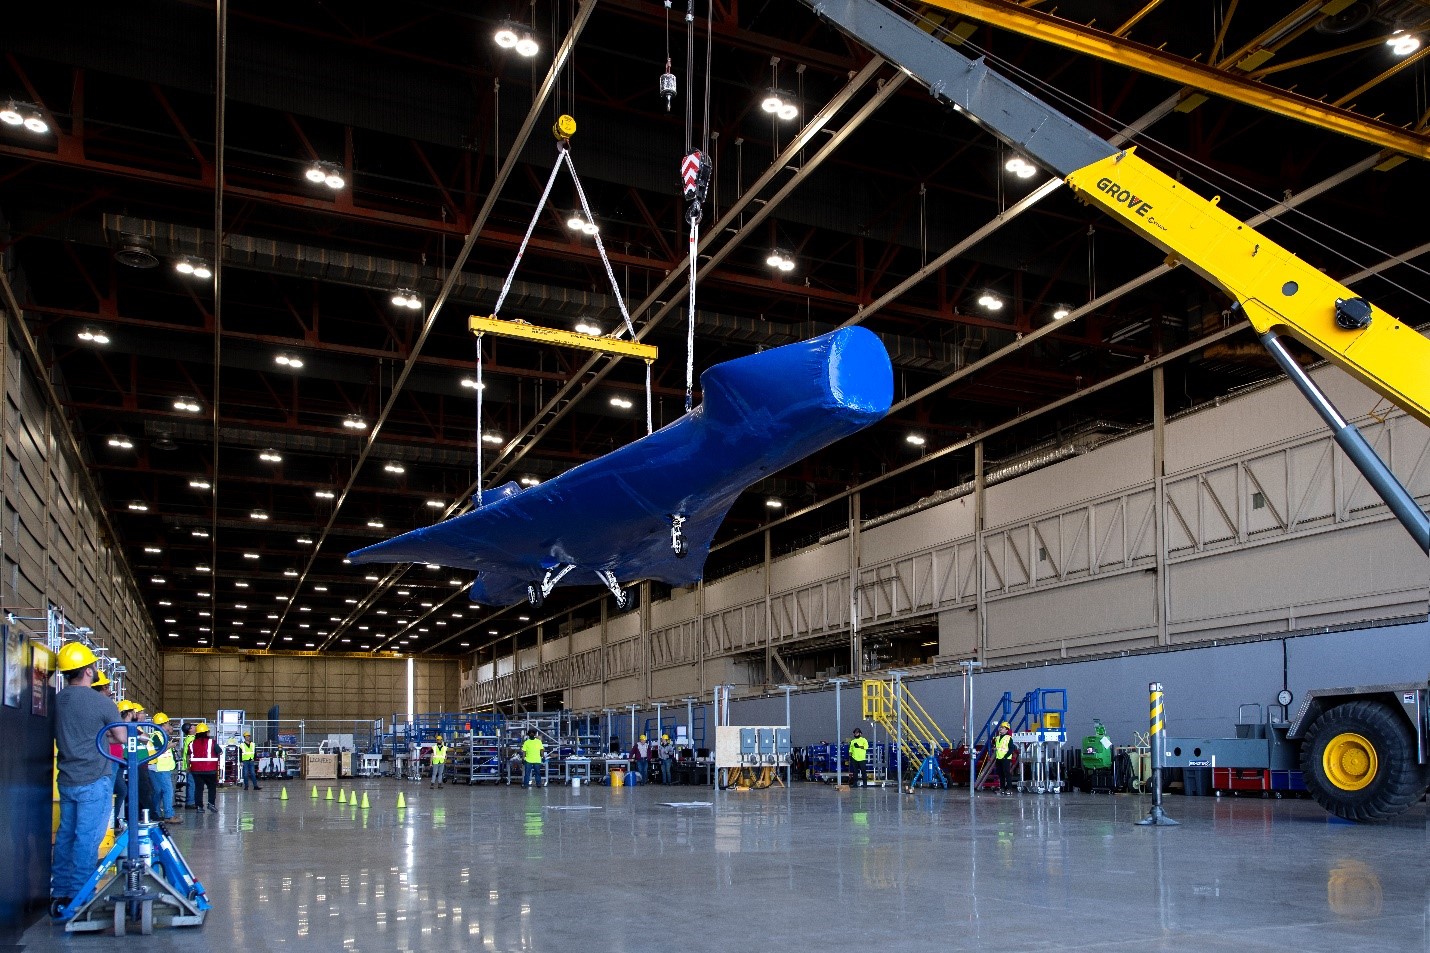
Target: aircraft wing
{"x": 760, "y": 414}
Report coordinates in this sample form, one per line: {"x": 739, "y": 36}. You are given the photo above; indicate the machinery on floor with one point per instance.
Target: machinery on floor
{"x": 144, "y": 877}
{"x": 1363, "y": 751}
{"x": 917, "y": 738}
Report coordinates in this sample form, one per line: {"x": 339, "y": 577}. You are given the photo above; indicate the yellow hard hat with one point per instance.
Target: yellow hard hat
{"x": 100, "y": 681}
{"x": 160, "y": 718}
{"x": 1005, "y": 725}
{"x": 201, "y": 728}
{"x": 126, "y": 705}
{"x": 664, "y": 737}
{"x": 439, "y": 737}
{"x": 247, "y": 735}
{"x": 642, "y": 737}
{"x": 75, "y": 655}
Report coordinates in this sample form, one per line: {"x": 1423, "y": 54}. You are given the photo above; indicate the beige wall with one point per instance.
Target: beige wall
{"x": 55, "y": 549}
{"x": 305, "y": 686}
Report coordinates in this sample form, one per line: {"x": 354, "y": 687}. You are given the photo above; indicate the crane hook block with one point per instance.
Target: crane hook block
{"x": 564, "y": 129}
{"x": 667, "y": 86}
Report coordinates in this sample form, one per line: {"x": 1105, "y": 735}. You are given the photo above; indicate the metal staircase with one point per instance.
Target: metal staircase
{"x": 891, "y": 706}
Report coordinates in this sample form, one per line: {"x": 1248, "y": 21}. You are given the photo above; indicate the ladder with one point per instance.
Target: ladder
{"x": 922, "y": 739}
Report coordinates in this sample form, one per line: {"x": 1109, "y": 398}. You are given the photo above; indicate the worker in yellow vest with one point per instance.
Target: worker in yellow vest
{"x": 1003, "y": 759}
{"x": 161, "y": 771}
{"x": 246, "y": 762}
{"x": 859, "y": 759}
{"x": 439, "y": 763}
{"x": 531, "y": 754}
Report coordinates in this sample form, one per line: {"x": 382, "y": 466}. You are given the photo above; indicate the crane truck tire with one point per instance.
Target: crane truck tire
{"x": 1359, "y": 762}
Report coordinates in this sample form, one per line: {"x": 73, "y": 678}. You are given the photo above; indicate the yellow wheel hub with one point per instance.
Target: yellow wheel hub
{"x": 1349, "y": 761}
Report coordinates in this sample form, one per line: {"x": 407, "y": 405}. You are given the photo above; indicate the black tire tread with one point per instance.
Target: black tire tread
{"x": 1403, "y": 782}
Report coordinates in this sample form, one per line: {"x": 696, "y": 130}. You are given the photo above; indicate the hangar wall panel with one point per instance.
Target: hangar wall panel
{"x": 53, "y": 548}
{"x": 1260, "y": 527}
{"x": 304, "y": 686}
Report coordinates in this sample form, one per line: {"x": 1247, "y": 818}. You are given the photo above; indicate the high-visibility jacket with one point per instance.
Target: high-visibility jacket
{"x": 203, "y": 755}
{"x": 1002, "y": 746}
{"x": 858, "y": 749}
{"x": 165, "y": 761}
{"x": 439, "y": 754}
{"x": 184, "y": 762}
{"x": 531, "y": 750}
{"x": 245, "y": 751}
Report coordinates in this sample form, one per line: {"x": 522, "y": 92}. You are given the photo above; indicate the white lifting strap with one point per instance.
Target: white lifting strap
{"x": 563, "y": 156}
{"x": 690, "y": 324}
{"x": 479, "y": 417}
{"x": 546, "y": 194}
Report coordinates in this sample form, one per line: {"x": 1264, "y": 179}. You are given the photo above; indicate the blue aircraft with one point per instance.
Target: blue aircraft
{"x": 650, "y": 509}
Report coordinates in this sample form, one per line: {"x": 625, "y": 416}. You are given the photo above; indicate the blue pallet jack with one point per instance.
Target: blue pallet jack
{"x": 144, "y": 877}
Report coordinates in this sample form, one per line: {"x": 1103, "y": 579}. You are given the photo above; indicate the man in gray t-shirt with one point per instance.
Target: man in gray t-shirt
{"x": 86, "y": 782}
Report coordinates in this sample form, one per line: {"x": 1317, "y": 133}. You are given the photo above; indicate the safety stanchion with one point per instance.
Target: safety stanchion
{"x": 1156, "y": 817}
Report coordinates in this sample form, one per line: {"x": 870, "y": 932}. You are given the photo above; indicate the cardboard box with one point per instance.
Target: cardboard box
{"x": 320, "y": 767}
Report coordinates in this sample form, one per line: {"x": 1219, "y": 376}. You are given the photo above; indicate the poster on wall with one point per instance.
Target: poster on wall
{"x": 43, "y": 664}
{"x": 17, "y": 666}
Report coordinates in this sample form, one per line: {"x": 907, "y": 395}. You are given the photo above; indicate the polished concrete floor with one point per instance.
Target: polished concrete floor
{"x": 805, "y": 868}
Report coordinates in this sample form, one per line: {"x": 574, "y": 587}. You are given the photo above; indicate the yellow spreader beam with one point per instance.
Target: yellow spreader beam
{"x": 586, "y": 342}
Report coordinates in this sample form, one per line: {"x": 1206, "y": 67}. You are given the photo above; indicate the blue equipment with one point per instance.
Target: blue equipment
{"x": 152, "y": 872}
{"x": 650, "y": 509}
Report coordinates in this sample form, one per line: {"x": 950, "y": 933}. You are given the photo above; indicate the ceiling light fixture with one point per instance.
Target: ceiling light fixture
{"x": 621, "y": 402}
{"x": 194, "y": 267}
{"x": 93, "y": 336}
{"x": 393, "y": 466}
{"x": 1061, "y": 312}
{"x": 584, "y": 328}
{"x": 303, "y": 541}
{"x": 324, "y": 494}
{"x": 121, "y": 442}
{"x": 200, "y": 533}
{"x": 1021, "y": 167}
{"x": 271, "y": 456}
{"x": 471, "y": 384}
{"x": 775, "y": 503}
{"x": 153, "y": 550}
{"x": 780, "y": 260}
{"x": 436, "y": 504}
{"x": 991, "y": 302}
{"x": 258, "y": 515}
{"x": 187, "y": 404}
{"x": 918, "y": 440}
{"x": 354, "y": 422}
{"x": 138, "y": 506}
{"x": 1402, "y": 43}
{"x": 529, "y": 481}
{"x": 23, "y": 114}
{"x": 406, "y": 298}
{"x": 200, "y": 485}
{"x": 326, "y": 173}
{"x": 288, "y": 360}
{"x": 776, "y": 104}
{"x": 374, "y": 524}
{"x": 495, "y": 438}
{"x": 290, "y": 573}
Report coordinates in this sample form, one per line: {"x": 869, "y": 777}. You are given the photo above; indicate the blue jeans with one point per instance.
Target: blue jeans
{"x": 250, "y": 774}
{"x": 84, "y": 817}
{"x": 530, "y": 773}
{"x": 643, "y": 769}
{"x": 439, "y": 772}
{"x": 665, "y": 764}
{"x": 189, "y": 789}
{"x": 163, "y": 792}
